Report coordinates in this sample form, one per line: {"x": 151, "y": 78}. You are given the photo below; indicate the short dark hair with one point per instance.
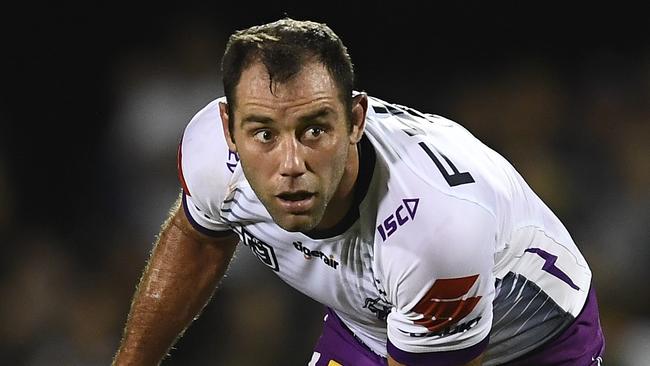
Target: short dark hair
{"x": 284, "y": 46}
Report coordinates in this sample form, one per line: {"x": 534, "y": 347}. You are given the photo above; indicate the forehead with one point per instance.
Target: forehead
{"x": 312, "y": 86}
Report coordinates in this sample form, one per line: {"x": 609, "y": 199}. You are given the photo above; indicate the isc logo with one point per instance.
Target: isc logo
{"x": 404, "y": 212}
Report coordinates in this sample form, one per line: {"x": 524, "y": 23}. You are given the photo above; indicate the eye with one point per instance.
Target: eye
{"x": 263, "y": 136}
{"x": 313, "y": 132}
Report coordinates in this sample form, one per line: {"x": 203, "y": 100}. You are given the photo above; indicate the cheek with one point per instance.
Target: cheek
{"x": 256, "y": 167}
{"x": 331, "y": 162}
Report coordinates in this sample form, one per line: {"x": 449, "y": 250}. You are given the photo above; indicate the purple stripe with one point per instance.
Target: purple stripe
{"x": 198, "y": 227}
{"x": 458, "y": 357}
{"x": 550, "y": 267}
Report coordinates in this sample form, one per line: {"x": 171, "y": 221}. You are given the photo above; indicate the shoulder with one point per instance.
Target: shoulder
{"x": 433, "y": 236}
{"x": 441, "y": 157}
{"x": 435, "y": 161}
{"x": 205, "y": 163}
{"x": 437, "y": 273}
{"x": 437, "y": 216}
{"x": 438, "y": 150}
{"x": 436, "y": 270}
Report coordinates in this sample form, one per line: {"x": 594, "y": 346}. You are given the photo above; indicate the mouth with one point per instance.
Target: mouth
{"x": 296, "y": 201}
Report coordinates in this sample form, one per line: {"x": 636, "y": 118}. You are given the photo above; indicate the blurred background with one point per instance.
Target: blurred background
{"x": 95, "y": 99}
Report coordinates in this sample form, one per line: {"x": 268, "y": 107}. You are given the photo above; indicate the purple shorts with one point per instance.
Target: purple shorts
{"x": 582, "y": 343}
{"x": 337, "y": 345}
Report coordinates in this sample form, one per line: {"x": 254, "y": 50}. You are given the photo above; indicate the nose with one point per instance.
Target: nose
{"x": 293, "y": 162}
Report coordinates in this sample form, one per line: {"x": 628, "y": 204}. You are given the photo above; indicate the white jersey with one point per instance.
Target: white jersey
{"x": 446, "y": 247}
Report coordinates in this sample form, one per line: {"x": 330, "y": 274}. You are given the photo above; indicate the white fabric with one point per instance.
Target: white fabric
{"x": 438, "y": 231}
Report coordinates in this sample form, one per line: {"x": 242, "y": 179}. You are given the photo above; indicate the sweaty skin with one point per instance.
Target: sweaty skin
{"x": 180, "y": 277}
{"x": 295, "y": 145}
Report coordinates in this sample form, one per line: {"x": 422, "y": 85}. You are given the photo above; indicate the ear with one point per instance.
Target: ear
{"x": 225, "y": 118}
{"x": 359, "y": 109}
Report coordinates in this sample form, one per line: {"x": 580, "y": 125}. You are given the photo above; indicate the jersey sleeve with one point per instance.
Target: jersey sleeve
{"x": 441, "y": 285}
{"x": 205, "y": 168}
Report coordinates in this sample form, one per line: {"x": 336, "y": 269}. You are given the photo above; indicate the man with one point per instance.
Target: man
{"x": 426, "y": 246}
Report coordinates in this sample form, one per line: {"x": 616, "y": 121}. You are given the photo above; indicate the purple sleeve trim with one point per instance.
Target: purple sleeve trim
{"x": 451, "y": 358}
{"x": 198, "y": 227}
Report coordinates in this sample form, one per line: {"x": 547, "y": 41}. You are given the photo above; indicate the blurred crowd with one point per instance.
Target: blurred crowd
{"x": 577, "y": 132}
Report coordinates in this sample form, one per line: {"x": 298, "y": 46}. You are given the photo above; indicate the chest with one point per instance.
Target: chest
{"x": 339, "y": 272}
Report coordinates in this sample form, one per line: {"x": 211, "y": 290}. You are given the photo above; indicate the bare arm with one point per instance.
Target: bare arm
{"x": 183, "y": 271}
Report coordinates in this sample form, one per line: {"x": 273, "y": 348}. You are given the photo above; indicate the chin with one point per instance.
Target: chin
{"x": 296, "y": 224}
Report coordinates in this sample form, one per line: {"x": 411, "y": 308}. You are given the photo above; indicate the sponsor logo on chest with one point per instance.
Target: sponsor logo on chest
{"x": 402, "y": 215}
{"x": 309, "y": 254}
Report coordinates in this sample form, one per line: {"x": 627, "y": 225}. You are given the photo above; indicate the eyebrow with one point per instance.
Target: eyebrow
{"x": 258, "y": 118}
{"x": 319, "y": 113}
